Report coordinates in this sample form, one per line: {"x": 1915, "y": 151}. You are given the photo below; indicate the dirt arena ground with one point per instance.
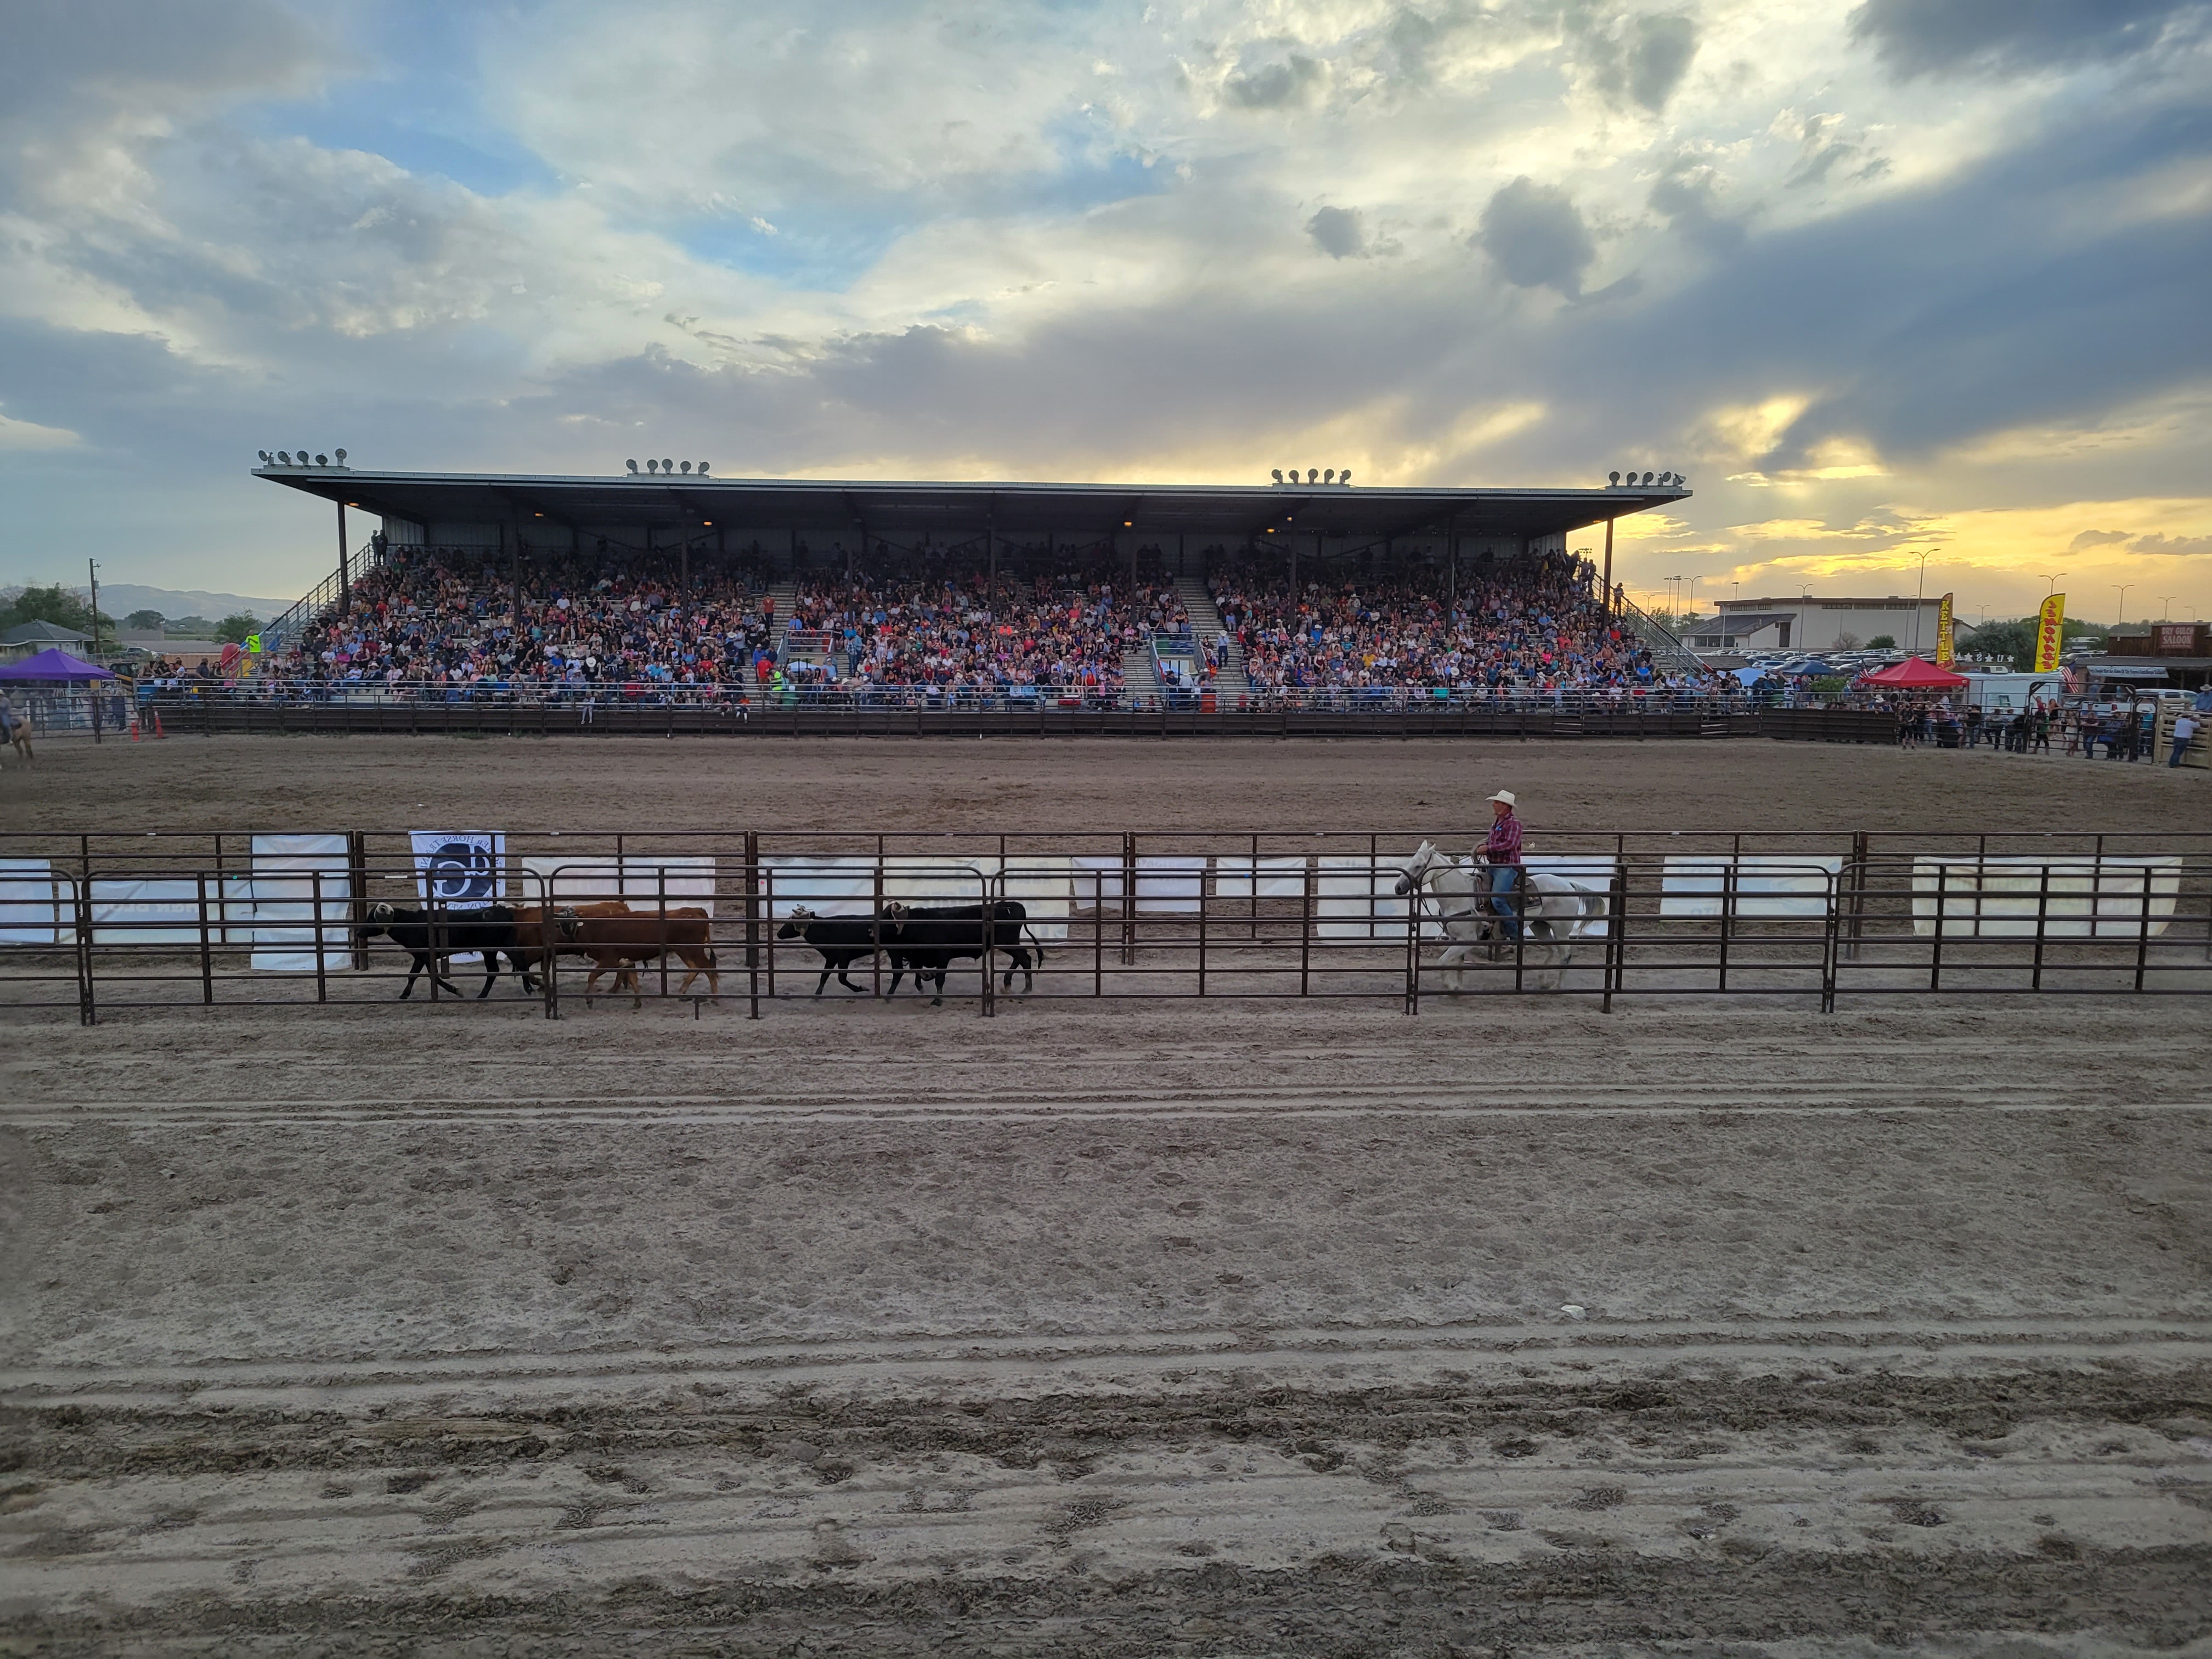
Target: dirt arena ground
{"x": 1118, "y": 1329}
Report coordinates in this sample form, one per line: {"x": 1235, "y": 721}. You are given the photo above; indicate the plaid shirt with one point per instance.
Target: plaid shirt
{"x": 1503, "y": 845}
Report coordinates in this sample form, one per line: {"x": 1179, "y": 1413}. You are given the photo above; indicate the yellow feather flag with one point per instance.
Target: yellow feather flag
{"x": 2049, "y": 634}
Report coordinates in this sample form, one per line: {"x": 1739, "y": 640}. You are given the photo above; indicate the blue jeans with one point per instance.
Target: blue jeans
{"x": 2180, "y": 748}
{"x": 1504, "y": 881}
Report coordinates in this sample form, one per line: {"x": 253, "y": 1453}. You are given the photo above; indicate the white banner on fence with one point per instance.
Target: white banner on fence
{"x": 1171, "y": 884}
{"x": 1278, "y": 878}
{"x": 31, "y": 902}
{"x": 1097, "y": 880}
{"x": 1767, "y": 885}
{"x": 639, "y": 879}
{"x": 1353, "y": 900}
{"x": 285, "y": 924}
{"x": 2001, "y": 897}
{"x": 166, "y": 910}
{"x": 827, "y": 886}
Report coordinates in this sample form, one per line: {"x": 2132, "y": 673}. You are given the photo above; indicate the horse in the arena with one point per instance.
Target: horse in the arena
{"x": 1555, "y": 911}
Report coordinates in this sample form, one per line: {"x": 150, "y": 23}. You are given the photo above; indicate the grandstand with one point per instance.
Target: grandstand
{"x": 692, "y": 588}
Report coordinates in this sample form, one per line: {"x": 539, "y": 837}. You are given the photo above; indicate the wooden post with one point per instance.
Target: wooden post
{"x": 345, "y": 579}
{"x": 1607, "y": 600}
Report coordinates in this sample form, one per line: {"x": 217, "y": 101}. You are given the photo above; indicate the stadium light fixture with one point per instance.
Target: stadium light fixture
{"x": 1313, "y": 474}
{"x": 265, "y": 458}
{"x": 322, "y": 460}
{"x": 1344, "y": 477}
{"x": 632, "y": 465}
{"x": 667, "y": 465}
{"x": 340, "y": 453}
{"x": 652, "y": 466}
{"x": 1329, "y": 477}
{"x": 1278, "y": 472}
{"x": 702, "y": 469}
{"x": 1647, "y": 477}
{"x": 687, "y": 469}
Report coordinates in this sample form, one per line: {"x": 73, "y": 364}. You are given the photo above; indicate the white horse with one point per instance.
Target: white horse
{"x": 1555, "y": 911}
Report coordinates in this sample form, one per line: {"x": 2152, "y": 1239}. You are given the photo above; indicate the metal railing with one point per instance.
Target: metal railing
{"x": 283, "y": 630}
{"x": 862, "y": 696}
{"x": 108, "y": 922}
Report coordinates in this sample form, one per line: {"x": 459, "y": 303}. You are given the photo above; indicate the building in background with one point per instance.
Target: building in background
{"x": 2182, "y": 649}
{"x": 1811, "y": 622}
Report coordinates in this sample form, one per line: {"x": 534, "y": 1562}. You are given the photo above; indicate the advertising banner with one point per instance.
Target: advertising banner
{"x": 1946, "y": 630}
{"x": 31, "y": 904}
{"x": 2049, "y": 634}
{"x": 291, "y": 934}
{"x": 461, "y": 869}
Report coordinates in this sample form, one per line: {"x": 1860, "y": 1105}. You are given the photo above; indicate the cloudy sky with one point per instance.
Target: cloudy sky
{"x": 1904, "y": 277}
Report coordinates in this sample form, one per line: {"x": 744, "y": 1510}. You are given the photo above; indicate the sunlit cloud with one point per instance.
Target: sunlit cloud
{"x": 1828, "y": 259}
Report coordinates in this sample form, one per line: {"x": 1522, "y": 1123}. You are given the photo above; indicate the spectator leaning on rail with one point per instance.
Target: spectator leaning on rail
{"x": 2185, "y": 728}
{"x": 1503, "y": 850}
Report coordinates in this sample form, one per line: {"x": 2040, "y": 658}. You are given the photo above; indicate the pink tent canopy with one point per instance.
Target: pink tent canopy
{"x": 54, "y": 664}
{"x": 1915, "y": 675}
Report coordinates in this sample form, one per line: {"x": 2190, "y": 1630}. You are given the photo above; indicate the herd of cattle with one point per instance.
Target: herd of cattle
{"x": 924, "y": 940}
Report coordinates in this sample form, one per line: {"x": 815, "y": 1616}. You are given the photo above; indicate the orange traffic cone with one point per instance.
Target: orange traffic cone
{"x": 158, "y": 731}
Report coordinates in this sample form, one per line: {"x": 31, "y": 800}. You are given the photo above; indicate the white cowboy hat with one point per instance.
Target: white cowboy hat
{"x": 1505, "y": 795}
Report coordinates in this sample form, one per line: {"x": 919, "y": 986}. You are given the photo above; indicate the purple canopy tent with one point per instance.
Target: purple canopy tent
{"x": 54, "y": 664}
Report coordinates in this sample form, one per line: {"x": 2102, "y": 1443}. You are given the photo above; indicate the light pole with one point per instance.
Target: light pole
{"x": 2051, "y": 584}
{"x": 2123, "y": 617}
{"x": 2166, "y": 607}
{"x": 1920, "y": 597}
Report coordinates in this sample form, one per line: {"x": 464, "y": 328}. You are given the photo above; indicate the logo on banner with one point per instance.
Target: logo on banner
{"x": 460, "y": 870}
{"x": 1946, "y": 631}
{"x": 2050, "y": 633}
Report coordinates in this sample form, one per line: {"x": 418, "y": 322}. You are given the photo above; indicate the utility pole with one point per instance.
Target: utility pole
{"x": 92, "y": 688}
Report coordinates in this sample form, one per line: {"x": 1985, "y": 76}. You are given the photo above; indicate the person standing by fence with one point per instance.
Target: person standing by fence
{"x": 2185, "y": 728}
{"x": 1503, "y": 850}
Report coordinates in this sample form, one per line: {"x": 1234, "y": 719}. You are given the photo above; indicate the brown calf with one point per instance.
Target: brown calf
{"x": 617, "y": 945}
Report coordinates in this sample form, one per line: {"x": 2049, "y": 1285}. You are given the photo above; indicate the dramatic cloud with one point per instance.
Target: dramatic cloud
{"x": 1536, "y": 238}
{"x": 1642, "y": 59}
{"x": 1337, "y": 233}
{"x": 1751, "y": 239}
{"x": 1933, "y": 37}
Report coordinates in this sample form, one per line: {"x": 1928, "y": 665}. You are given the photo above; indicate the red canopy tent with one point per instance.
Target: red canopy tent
{"x": 1915, "y": 675}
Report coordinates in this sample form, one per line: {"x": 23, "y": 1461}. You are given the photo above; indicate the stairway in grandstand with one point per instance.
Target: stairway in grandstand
{"x": 1229, "y": 685}
{"x": 1139, "y": 680}
{"x": 785, "y": 592}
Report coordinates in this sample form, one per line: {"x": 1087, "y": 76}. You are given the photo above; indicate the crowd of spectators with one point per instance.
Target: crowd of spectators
{"x": 1055, "y": 624}
{"x": 1519, "y": 628}
{"x": 431, "y": 618}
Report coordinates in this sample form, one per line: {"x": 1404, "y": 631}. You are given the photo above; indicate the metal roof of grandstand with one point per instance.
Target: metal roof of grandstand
{"x": 808, "y": 504}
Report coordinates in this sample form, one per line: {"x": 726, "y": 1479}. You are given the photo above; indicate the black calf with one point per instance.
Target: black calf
{"x": 491, "y": 931}
{"x": 840, "y": 940}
